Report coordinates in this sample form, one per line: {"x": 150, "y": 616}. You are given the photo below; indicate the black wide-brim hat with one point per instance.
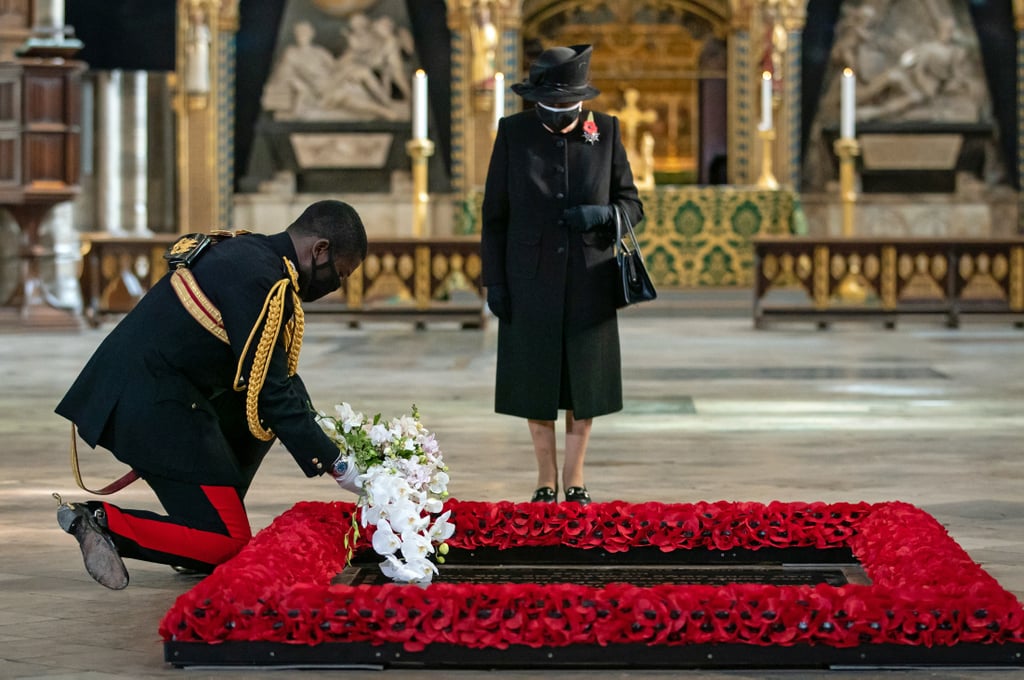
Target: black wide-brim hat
{"x": 559, "y": 75}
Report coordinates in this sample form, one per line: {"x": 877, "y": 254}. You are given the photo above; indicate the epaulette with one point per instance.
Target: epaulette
{"x": 187, "y": 248}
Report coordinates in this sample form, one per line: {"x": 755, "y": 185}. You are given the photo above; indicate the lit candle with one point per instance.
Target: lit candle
{"x": 766, "y": 101}
{"x": 848, "y": 99}
{"x": 197, "y": 55}
{"x": 419, "y": 105}
{"x": 499, "y": 98}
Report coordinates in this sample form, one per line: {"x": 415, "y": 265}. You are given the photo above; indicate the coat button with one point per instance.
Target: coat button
{"x": 559, "y": 195}
{"x": 561, "y": 249}
{"x": 317, "y": 461}
{"x": 560, "y": 143}
{"x": 194, "y": 406}
{"x": 559, "y": 168}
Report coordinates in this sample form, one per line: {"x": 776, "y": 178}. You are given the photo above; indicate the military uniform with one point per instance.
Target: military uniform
{"x": 168, "y": 397}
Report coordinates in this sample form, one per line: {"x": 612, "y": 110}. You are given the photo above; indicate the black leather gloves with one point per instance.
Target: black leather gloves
{"x": 588, "y": 217}
{"x": 497, "y": 300}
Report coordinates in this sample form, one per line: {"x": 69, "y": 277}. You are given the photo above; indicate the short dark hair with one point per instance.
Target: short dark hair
{"x": 336, "y": 221}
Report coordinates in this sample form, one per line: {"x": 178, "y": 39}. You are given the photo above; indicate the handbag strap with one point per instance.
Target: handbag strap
{"x": 620, "y": 234}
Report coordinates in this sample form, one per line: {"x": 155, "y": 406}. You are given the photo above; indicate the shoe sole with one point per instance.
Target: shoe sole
{"x": 101, "y": 558}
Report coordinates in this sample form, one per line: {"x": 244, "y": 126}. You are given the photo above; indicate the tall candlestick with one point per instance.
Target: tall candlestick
{"x": 766, "y": 101}
{"x": 499, "y": 98}
{"x": 419, "y": 105}
{"x": 848, "y": 99}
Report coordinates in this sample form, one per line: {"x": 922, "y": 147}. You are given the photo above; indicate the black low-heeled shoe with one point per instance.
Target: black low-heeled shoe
{"x": 577, "y": 494}
{"x": 545, "y": 494}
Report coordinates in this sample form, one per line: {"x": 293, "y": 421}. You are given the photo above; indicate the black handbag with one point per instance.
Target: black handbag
{"x": 635, "y": 285}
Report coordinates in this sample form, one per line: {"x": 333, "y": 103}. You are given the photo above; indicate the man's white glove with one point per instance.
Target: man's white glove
{"x": 345, "y": 472}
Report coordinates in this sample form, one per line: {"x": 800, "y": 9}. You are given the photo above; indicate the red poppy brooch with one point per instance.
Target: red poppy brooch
{"x": 590, "y": 133}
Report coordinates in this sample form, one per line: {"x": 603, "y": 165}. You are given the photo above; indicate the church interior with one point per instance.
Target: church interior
{"x": 833, "y": 221}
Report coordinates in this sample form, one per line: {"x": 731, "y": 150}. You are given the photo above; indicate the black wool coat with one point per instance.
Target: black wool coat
{"x": 561, "y": 282}
{"x": 158, "y": 390}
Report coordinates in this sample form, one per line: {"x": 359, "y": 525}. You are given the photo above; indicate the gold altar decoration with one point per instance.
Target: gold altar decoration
{"x": 658, "y": 62}
{"x": 484, "y": 43}
{"x": 697, "y": 236}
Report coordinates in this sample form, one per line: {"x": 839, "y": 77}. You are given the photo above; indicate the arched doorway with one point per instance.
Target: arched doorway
{"x": 672, "y": 54}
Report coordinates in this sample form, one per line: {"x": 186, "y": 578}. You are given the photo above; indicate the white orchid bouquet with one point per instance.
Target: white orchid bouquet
{"x": 398, "y": 471}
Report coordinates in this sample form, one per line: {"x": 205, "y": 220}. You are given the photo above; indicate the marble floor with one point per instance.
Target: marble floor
{"x": 714, "y": 410}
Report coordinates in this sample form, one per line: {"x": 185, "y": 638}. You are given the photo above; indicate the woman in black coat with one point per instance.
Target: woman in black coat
{"x": 557, "y": 174}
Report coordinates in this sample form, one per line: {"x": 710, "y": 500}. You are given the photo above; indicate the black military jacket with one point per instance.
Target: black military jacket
{"x": 158, "y": 390}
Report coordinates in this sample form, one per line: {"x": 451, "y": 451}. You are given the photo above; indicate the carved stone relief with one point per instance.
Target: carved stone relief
{"x": 917, "y": 63}
{"x": 367, "y": 79}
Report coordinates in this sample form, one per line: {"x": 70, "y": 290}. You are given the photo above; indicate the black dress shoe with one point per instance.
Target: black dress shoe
{"x": 544, "y": 494}
{"x": 99, "y": 553}
{"x": 577, "y": 494}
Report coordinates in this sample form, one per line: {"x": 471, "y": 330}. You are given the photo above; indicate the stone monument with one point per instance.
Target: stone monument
{"x": 929, "y": 163}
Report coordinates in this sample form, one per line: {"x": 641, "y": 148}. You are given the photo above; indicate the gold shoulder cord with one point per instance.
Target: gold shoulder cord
{"x": 270, "y": 319}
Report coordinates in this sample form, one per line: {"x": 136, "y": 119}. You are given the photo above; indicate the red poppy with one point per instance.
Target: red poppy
{"x": 925, "y": 590}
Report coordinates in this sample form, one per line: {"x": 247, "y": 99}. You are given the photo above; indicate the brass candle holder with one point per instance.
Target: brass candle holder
{"x": 847, "y": 149}
{"x": 420, "y": 150}
{"x": 850, "y": 289}
{"x": 767, "y": 179}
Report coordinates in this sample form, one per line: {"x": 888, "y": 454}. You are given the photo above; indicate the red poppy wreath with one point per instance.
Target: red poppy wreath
{"x": 924, "y": 589}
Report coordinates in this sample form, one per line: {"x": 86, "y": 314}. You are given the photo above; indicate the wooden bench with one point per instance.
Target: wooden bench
{"x": 409, "y": 279}
{"x": 832, "y": 278}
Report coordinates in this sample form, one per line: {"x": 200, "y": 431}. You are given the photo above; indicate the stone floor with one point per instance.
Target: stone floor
{"x": 714, "y": 410}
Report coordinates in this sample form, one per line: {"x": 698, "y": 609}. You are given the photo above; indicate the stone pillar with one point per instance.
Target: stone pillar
{"x": 122, "y": 154}
{"x": 203, "y": 102}
{"x": 743, "y": 95}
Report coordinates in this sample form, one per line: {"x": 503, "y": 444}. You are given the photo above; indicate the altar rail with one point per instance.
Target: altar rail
{"x": 418, "y": 280}
{"x": 833, "y": 278}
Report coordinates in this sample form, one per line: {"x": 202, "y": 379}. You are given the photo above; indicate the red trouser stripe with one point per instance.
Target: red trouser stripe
{"x": 175, "y": 539}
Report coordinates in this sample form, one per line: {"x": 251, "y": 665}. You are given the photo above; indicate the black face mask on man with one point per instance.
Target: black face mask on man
{"x": 323, "y": 279}
{"x": 558, "y": 119}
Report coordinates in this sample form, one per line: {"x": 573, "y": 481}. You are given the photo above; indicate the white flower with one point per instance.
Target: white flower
{"x": 379, "y": 435}
{"x": 385, "y": 540}
{"x": 439, "y": 484}
{"x": 441, "y": 530}
{"x": 349, "y": 418}
{"x": 403, "y": 481}
{"x": 415, "y": 545}
{"x": 397, "y": 570}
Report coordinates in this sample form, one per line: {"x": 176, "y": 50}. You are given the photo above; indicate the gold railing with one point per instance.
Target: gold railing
{"x": 413, "y": 279}
{"x": 878, "y": 277}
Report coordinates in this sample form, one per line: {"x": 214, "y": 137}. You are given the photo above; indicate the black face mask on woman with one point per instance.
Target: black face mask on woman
{"x": 558, "y": 119}
{"x": 323, "y": 279}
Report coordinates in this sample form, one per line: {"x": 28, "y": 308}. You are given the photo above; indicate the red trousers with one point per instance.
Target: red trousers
{"x": 204, "y": 525}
